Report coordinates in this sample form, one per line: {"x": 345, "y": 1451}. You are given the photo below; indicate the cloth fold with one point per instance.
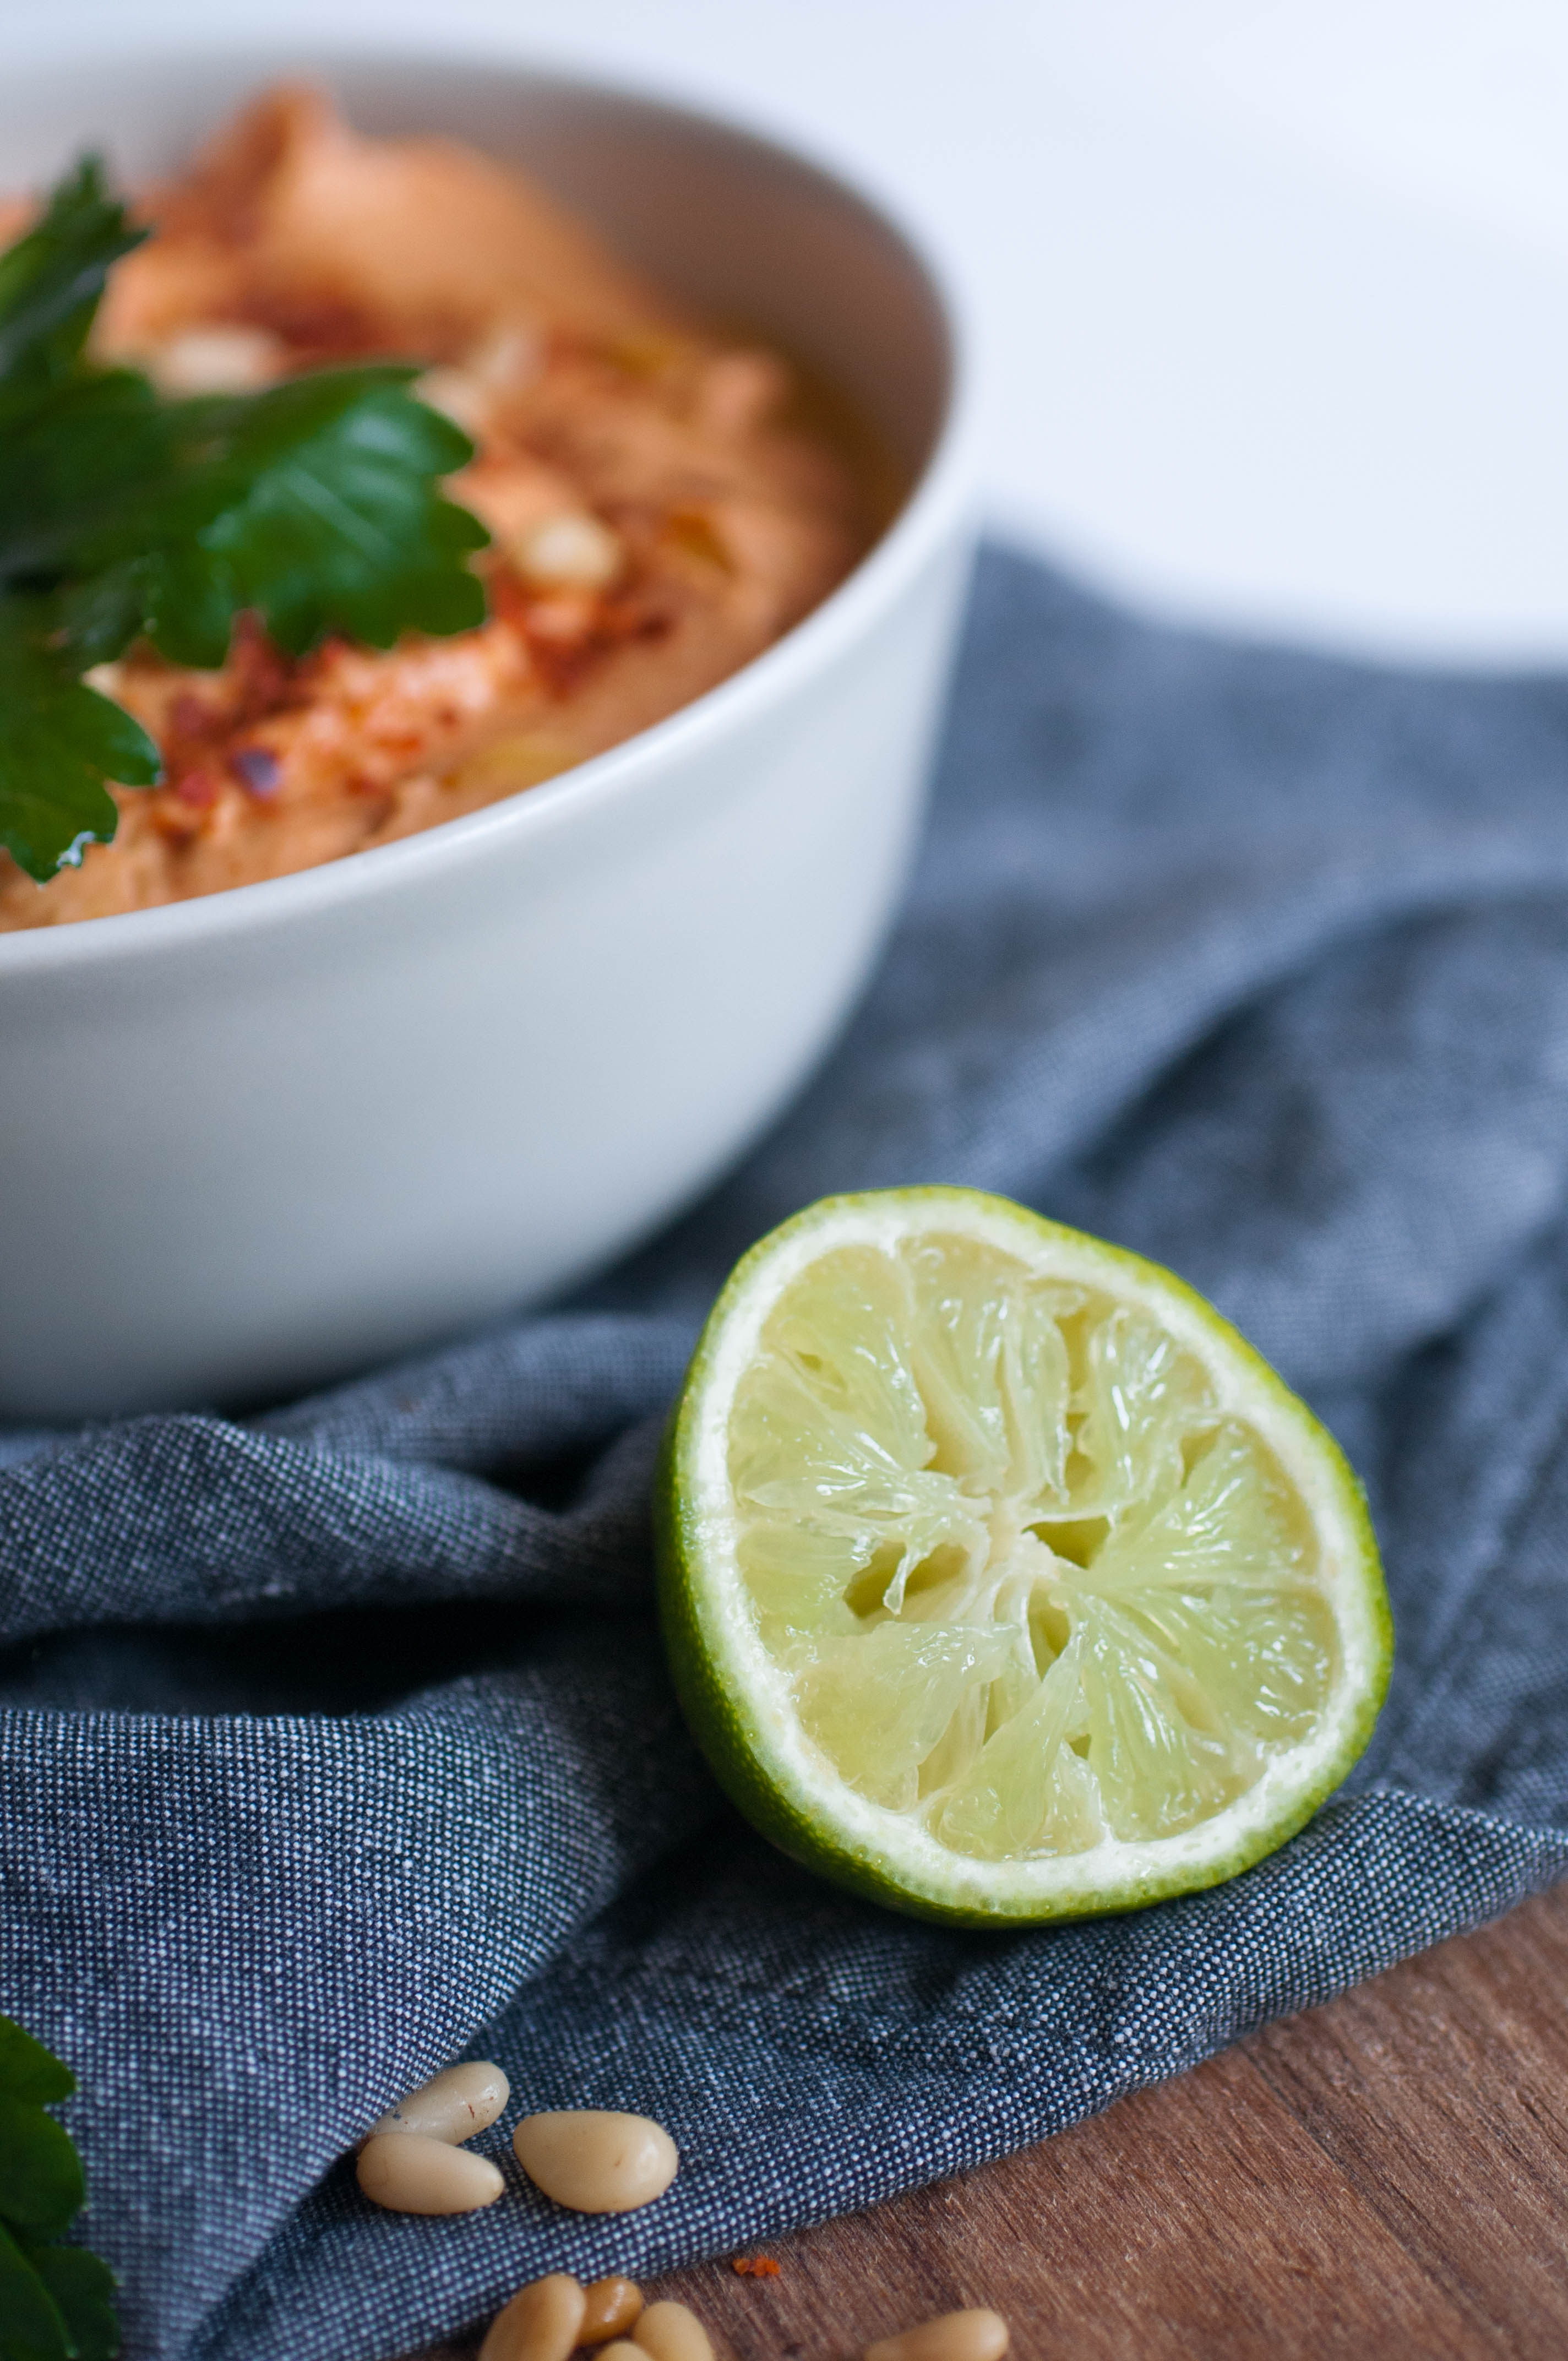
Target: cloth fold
{"x": 335, "y": 1743}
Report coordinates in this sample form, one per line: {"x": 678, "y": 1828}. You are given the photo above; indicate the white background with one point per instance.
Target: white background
{"x": 1271, "y": 296}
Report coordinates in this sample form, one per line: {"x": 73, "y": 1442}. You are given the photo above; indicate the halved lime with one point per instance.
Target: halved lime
{"x": 1001, "y": 1579}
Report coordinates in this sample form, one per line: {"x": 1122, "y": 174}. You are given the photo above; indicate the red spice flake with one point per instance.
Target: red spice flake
{"x": 319, "y": 328}
{"x": 190, "y": 717}
{"x": 264, "y": 678}
{"x": 566, "y": 631}
{"x": 198, "y": 789}
{"x": 636, "y": 615}
{"x": 563, "y": 620}
{"x": 510, "y": 596}
{"x": 754, "y": 2267}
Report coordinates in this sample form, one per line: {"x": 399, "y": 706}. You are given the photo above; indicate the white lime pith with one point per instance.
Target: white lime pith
{"x": 1003, "y": 1580}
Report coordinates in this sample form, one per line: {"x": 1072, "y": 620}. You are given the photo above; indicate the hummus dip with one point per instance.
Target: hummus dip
{"x": 662, "y": 502}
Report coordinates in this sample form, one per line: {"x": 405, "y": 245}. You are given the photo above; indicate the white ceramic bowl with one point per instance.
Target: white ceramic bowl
{"x": 252, "y": 1141}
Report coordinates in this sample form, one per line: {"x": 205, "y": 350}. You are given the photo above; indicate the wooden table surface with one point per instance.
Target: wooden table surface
{"x": 1386, "y": 2177}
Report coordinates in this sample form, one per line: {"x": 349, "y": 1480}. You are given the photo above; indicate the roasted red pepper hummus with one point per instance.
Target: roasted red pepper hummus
{"x": 659, "y": 513}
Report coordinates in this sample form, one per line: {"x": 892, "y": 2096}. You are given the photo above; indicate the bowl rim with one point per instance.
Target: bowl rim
{"x": 940, "y": 497}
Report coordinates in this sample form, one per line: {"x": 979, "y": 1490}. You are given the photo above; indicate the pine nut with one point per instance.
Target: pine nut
{"x": 621, "y": 2350}
{"x": 456, "y": 395}
{"x": 670, "y": 2333}
{"x": 216, "y": 360}
{"x": 543, "y": 2322}
{"x": 412, "y": 2175}
{"x": 450, "y": 2106}
{"x": 596, "y": 2161}
{"x": 571, "y": 550}
{"x": 612, "y": 2305}
{"x": 977, "y": 2335}
{"x": 507, "y": 357}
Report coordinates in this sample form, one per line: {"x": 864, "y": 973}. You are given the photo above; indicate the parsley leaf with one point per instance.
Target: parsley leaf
{"x": 59, "y": 742}
{"x": 56, "y": 2302}
{"x": 29, "y": 2071}
{"x": 312, "y": 504}
{"x": 82, "y": 2291}
{"x": 72, "y": 455}
{"x": 52, "y": 279}
{"x": 31, "y": 2323}
{"x": 40, "y": 2179}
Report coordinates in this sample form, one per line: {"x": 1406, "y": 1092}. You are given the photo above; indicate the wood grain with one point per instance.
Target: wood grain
{"x": 1386, "y": 2177}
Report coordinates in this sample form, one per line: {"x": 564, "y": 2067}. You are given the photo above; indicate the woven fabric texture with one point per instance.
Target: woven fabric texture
{"x": 334, "y": 1742}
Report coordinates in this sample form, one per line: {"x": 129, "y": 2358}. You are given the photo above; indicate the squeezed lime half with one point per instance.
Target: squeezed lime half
{"x": 1001, "y": 1579}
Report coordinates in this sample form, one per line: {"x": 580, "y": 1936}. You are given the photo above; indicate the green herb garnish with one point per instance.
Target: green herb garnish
{"x": 123, "y": 516}
{"x": 56, "y": 2302}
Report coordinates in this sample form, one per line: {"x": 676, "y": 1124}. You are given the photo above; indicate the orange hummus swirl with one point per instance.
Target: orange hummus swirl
{"x": 659, "y": 513}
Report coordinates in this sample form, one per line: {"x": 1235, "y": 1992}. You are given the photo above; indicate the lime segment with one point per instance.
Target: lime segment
{"x": 1003, "y": 1579}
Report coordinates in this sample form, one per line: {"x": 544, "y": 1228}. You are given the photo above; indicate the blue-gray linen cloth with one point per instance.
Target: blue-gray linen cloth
{"x": 337, "y": 1741}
